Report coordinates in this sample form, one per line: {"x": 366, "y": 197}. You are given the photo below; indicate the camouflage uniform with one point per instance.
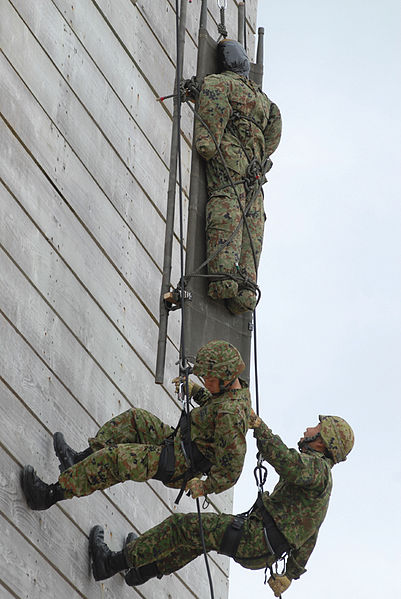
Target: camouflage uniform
{"x": 221, "y": 95}
{"x": 128, "y": 447}
{"x": 298, "y": 506}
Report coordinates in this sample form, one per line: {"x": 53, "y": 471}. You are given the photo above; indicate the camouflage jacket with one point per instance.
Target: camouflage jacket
{"x": 219, "y": 428}
{"x": 299, "y": 502}
{"x": 221, "y": 98}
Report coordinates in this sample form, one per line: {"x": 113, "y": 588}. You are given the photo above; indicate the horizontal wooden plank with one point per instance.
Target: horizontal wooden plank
{"x": 25, "y": 571}
{"x": 83, "y": 196}
{"x": 121, "y": 66}
{"x": 59, "y": 280}
{"x": 141, "y": 211}
{"x": 96, "y": 95}
{"x": 141, "y": 40}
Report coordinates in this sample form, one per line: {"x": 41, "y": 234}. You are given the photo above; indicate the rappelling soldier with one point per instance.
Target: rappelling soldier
{"x": 237, "y": 130}
{"x": 284, "y": 523}
{"x": 138, "y": 446}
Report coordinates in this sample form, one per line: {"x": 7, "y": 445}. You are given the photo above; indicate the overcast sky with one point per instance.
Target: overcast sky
{"x": 329, "y": 318}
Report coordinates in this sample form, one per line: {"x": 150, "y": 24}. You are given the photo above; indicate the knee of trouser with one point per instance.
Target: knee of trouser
{"x": 245, "y": 301}
{"x": 223, "y": 289}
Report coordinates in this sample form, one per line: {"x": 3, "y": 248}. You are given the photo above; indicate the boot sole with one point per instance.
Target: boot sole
{"x": 92, "y": 551}
{"x": 58, "y": 442}
{"x": 27, "y": 477}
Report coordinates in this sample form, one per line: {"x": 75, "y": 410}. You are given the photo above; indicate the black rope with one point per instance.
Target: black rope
{"x": 183, "y": 360}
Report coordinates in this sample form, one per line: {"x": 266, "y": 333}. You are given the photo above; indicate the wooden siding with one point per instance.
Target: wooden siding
{"x": 84, "y": 172}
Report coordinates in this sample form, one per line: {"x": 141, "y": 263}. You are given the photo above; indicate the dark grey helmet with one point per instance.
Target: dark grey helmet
{"x": 231, "y": 56}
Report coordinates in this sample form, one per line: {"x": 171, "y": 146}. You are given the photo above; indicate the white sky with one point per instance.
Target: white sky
{"x": 329, "y": 319}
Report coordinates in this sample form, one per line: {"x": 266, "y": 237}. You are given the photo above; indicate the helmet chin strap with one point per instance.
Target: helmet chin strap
{"x": 225, "y": 387}
{"x": 306, "y": 440}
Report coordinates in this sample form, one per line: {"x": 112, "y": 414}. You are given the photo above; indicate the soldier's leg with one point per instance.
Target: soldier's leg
{"x": 132, "y": 426}
{"x": 246, "y": 297}
{"x": 176, "y": 541}
{"x": 252, "y": 550}
{"x": 109, "y": 466}
{"x": 223, "y": 216}
{"x": 100, "y": 470}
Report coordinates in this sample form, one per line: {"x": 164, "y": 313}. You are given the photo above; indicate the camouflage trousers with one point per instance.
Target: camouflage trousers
{"x": 128, "y": 447}
{"x": 176, "y": 541}
{"x": 223, "y": 216}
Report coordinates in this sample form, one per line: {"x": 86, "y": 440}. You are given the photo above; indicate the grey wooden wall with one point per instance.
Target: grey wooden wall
{"x": 84, "y": 169}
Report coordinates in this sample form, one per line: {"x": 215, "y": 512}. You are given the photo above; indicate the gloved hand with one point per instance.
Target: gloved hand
{"x": 279, "y": 584}
{"x": 254, "y": 420}
{"x": 196, "y": 487}
{"x": 192, "y": 387}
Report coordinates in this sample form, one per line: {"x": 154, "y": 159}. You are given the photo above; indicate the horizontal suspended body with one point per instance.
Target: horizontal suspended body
{"x": 129, "y": 446}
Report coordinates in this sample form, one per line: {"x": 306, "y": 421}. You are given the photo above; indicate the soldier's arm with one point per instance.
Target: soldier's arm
{"x": 229, "y": 448}
{"x": 215, "y": 110}
{"x": 300, "y": 469}
{"x": 272, "y": 133}
{"x": 297, "y": 561}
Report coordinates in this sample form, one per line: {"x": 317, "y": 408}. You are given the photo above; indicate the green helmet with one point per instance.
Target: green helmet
{"x": 338, "y": 437}
{"x": 219, "y": 359}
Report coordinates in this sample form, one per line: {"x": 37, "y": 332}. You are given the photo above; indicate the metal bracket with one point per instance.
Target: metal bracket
{"x": 173, "y": 299}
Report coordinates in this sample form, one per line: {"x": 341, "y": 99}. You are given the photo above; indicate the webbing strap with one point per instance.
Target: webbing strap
{"x": 232, "y": 536}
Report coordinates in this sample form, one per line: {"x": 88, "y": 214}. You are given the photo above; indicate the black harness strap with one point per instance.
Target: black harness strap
{"x": 232, "y": 536}
{"x": 274, "y": 537}
{"x": 166, "y": 467}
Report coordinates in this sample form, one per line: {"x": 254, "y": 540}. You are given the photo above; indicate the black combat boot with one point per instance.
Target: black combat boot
{"x": 105, "y": 563}
{"x": 68, "y": 456}
{"x": 39, "y": 495}
{"x": 136, "y": 576}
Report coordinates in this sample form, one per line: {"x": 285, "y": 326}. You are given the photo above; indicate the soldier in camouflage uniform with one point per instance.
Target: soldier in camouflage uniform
{"x": 137, "y": 446}
{"x": 238, "y": 129}
{"x": 285, "y": 522}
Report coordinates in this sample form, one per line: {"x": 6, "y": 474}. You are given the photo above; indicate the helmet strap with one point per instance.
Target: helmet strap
{"x": 307, "y": 440}
{"x": 225, "y": 387}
